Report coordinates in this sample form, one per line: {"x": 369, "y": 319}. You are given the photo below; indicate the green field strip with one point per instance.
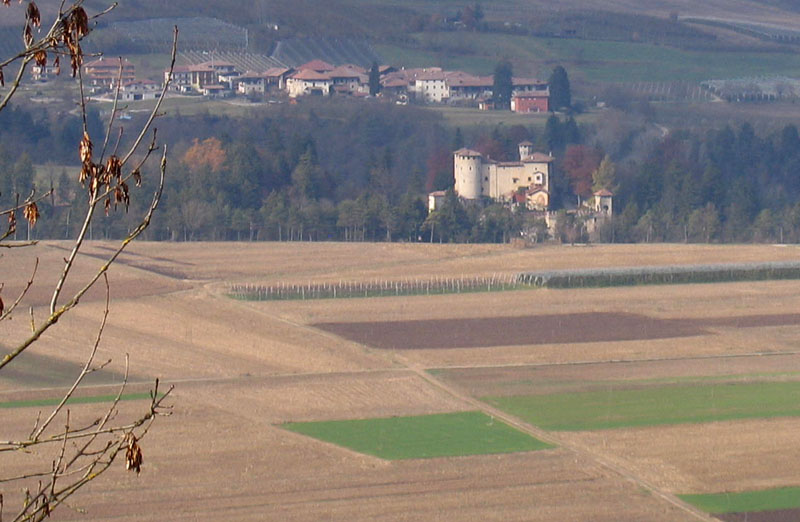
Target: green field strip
{"x": 425, "y": 436}
{"x": 74, "y": 400}
{"x": 746, "y": 501}
{"x": 620, "y": 408}
{"x": 595, "y": 60}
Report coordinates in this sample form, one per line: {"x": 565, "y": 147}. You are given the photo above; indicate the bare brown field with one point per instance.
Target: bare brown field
{"x": 540, "y": 379}
{"x": 704, "y": 458}
{"x": 241, "y": 367}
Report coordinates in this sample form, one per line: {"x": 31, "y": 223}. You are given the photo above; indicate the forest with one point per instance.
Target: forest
{"x": 355, "y": 171}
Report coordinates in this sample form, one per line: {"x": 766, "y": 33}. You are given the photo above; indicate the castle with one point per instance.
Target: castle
{"x": 525, "y": 182}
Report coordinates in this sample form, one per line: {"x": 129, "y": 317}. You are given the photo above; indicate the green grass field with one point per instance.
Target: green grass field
{"x": 74, "y": 400}
{"x": 426, "y": 436}
{"x": 653, "y": 406}
{"x": 603, "y": 61}
{"x": 746, "y": 501}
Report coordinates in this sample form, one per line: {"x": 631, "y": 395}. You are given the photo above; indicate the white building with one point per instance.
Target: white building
{"x": 526, "y": 180}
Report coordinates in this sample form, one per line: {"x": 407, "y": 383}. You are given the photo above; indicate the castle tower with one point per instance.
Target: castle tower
{"x": 467, "y": 171}
{"x": 525, "y": 150}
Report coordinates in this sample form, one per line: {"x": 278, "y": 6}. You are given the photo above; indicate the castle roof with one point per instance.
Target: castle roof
{"x": 467, "y": 152}
{"x": 538, "y": 157}
{"x": 603, "y": 192}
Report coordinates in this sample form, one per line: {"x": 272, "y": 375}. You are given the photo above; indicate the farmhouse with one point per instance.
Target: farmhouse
{"x": 103, "y": 72}
{"x": 139, "y": 90}
{"x": 477, "y": 177}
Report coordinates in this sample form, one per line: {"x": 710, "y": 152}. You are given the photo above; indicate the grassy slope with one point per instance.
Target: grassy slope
{"x": 618, "y": 408}
{"x": 443, "y": 435}
{"x": 595, "y": 61}
{"x": 746, "y": 501}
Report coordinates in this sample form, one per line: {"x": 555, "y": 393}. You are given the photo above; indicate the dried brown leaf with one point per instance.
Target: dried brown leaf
{"x": 5, "y": 2}
{"x": 27, "y": 35}
{"x": 2, "y": 80}
{"x": 57, "y": 65}
{"x": 12, "y": 222}
{"x": 107, "y": 205}
{"x": 85, "y": 172}
{"x": 33, "y": 15}
{"x": 133, "y": 454}
{"x": 80, "y": 21}
{"x": 75, "y": 58}
{"x": 31, "y": 213}
{"x": 114, "y": 167}
{"x": 85, "y": 149}
{"x": 41, "y": 58}
{"x": 137, "y": 177}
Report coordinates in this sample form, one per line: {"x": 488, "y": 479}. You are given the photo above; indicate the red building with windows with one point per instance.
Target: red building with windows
{"x": 536, "y": 101}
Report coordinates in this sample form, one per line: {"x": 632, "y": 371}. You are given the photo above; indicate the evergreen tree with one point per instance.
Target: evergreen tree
{"x": 503, "y": 85}
{"x": 605, "y": 176}
{"x": 560, "y": 93}
{"x": 374, "y": 79}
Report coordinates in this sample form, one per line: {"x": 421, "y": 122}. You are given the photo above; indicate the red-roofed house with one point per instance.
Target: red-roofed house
{"x": 316, "y": 65}
{"x": 139, "y": 90}
{"x": 308, "y": 81}
{"x": 251, "y": 83}
{"x": 181, "y": 78}
{"x": 103, "y": 72}
{"x": 534, "y": 101}
{"x": 349, "y": 79}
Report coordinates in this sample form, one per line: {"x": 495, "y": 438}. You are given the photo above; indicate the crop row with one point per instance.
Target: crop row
{"x": 683, "y": 274}
{"x": 376, "y": 288}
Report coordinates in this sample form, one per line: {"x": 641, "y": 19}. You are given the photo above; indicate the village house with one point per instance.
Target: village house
{"x": 349, "y": 79}
{"x": 251, "y": 83}
{"x": 308, "y": 82}
{"x": 139, "y": 90}
{"x": 44, "y": 73}
{"x": 530, "y": 102}
{"x": 181, "y": 78}
{"x": 465, "y": 86}
{"x": 275, "y": 77}
{"x": 103, "y": 73}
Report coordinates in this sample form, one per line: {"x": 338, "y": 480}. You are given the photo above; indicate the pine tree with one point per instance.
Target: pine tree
{"x": 503, "y": 85}
{"x": 374, "y": 80}
{"x": 560, "y": 94}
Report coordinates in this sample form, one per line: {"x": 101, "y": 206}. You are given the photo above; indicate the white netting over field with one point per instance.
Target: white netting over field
{"x": 197, "y": 33}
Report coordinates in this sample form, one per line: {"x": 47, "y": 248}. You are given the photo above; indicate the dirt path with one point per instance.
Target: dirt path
{"x": 549, "y": 437}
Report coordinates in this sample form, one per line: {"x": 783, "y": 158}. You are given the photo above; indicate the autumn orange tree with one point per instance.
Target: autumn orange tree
{"x": 73, "y": 454}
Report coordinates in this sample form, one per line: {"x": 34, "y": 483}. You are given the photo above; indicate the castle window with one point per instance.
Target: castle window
{"x": 486, "y": 178}
{"x": 515, "y": 180}
{"x": 529, "y": 178}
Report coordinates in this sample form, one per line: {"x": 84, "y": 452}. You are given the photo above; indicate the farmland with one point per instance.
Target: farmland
{"x": 702, "y": 379}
